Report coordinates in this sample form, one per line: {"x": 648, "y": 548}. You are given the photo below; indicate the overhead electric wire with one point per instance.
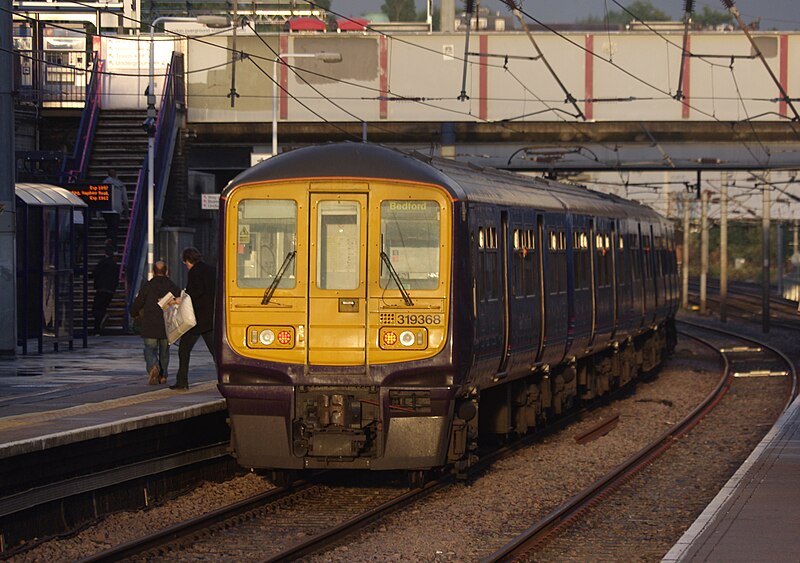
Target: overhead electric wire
{"x": 735, "y": 12}
{"x": 418, "y": 99}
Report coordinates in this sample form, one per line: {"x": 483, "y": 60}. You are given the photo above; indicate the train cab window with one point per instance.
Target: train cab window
{"x": 338, "y": 244}
{"x": 267, "y": 234}
{"x": 410, "y": 237}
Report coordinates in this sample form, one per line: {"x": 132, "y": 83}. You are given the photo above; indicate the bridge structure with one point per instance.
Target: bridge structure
{"x": 623, "y": 108}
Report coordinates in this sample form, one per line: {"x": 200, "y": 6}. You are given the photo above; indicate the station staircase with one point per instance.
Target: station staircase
{"x": 120, "y": 142}
{"x": 116, "y": 139}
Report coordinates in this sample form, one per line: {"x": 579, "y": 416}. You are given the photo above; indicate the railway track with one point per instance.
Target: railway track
{"x": 319, "y": 514}
{"x": 747, "y": 358}
{"x": 745, "y": 302}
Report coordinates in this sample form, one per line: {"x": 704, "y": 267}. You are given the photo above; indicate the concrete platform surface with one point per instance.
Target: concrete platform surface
{"x": 756, "y": 515}
{"x": 56, "y": 398}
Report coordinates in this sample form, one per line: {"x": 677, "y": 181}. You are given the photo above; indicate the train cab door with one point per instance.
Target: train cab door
{"x": 337, "y": 308}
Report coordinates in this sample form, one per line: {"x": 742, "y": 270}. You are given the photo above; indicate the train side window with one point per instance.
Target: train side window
{"x": 490, "y": 263}
{"x": 636, "y": 257}
{"x": 580, "y": 259}
{"x": 529, "y": 265}
{"x": 524, "y": 273}
{"x": 266, "y": 234}
{"x": 557, "y": 269}
{"x": 518, "y": 283}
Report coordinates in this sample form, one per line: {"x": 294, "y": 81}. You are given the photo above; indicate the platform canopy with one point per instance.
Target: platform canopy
{"x": 45, "y": 195}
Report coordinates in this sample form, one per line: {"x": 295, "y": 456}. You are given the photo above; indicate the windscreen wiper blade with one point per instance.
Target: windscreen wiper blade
{"x": 274, "y": 285}
{"x": 406, "y": 298}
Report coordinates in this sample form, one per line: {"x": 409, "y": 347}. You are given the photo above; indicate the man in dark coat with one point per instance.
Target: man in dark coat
{"x": 201, "y": 285}
{"x": 106, "y": 279}
{"x": 156, "y": 345}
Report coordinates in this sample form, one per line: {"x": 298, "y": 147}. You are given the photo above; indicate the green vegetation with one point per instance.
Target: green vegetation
{"x": 645, "y": 11}
{"x": 400, "y": 10}
{"x": 744, "y": 251}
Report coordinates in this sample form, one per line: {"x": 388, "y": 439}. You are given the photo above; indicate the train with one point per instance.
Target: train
{"x": 386, "y": 310}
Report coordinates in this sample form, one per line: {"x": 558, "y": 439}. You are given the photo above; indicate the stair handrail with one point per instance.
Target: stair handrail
{"x": 75, "y": 166}
{"x": 134, "y": 253}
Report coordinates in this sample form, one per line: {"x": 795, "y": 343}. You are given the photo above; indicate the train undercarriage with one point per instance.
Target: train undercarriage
{"x": 521, "y": 405}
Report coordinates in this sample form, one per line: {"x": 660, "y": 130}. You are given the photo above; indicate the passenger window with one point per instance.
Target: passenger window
{"x": 524, "y": 282}
{"x": 266, "y": 234}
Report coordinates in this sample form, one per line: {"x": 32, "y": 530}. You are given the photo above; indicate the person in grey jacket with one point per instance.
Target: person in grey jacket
{"x": 154, "y": 333}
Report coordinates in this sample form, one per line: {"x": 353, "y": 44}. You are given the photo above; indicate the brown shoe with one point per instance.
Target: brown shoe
{"x": 162, "y": 380}
{"x": 153, "y": 375}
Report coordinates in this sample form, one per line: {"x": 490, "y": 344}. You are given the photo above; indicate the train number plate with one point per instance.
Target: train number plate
{"x": 418, "y": 319}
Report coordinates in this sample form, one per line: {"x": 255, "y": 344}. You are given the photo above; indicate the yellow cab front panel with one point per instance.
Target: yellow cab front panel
{"x": 347, "y": 273}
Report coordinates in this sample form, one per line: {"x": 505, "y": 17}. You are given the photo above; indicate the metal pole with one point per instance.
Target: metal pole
{"x": 796, "y": 261}
{"x": 326, "y": 57}
{"x": 8, "y": 244}
{"x": 151, "y": 141}
{"x": 212, "y": 21}
{"x": 779, "y": 259}
{"x": 765, "y": 257}
{"x": 703, "y": 251}
{"x": 687, "y": 202}
{"x": 275, "y": 105}
{"x": 723, "y": 248}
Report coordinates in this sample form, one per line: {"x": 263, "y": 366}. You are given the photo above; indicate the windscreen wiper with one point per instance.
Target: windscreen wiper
{"x": 274, "y": 285}
{"x": 406, "y": 299}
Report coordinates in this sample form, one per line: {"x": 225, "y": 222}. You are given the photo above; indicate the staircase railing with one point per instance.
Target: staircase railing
{"x": 173, "y": 102}
{"x": 75, "y": 166}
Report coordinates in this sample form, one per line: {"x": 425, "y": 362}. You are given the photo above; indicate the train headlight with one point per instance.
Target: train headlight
{"x": 407, "y": 338}
{"x": 260, "y": 336}
{"x": 266, "y": 337}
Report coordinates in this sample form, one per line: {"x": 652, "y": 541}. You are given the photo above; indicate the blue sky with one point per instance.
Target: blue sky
{"x": 774, "y": 14}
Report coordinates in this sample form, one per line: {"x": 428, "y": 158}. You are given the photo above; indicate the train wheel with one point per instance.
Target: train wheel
{"x": 283, "y": 477}
{"x": 417, "y": 478}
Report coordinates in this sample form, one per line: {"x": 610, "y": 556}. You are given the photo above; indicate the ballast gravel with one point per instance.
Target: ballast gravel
{"x": 469, "y": 521}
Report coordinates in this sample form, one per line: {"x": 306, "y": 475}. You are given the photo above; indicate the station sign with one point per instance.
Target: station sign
{"x": 96, "y": 196}
{"x": 209, "y": 201}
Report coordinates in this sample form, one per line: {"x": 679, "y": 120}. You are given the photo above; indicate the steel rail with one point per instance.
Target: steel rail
{"x": 519, "y": 547}
{"x": 188, "y": 527}
{"x": 62, "y": 490}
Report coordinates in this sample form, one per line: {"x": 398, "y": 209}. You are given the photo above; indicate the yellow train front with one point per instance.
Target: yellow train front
{"x": 334, "y": 312}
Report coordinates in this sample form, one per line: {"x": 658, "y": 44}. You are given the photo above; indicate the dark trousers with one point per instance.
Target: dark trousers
{"x": 187, "y": 342}
{"x": 112, "y": 226}
{"x": 102, "y": 299}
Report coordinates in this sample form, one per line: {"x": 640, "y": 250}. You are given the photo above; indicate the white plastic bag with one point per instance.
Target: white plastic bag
{"x": 178, "y": 317}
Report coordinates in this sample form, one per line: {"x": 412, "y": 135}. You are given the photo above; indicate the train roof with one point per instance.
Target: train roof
{"x": 465, "y": 182}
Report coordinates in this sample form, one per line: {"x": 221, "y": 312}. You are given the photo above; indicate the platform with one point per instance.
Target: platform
{"x": 60, "y": 398}
{"x": 756, "y": 515}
